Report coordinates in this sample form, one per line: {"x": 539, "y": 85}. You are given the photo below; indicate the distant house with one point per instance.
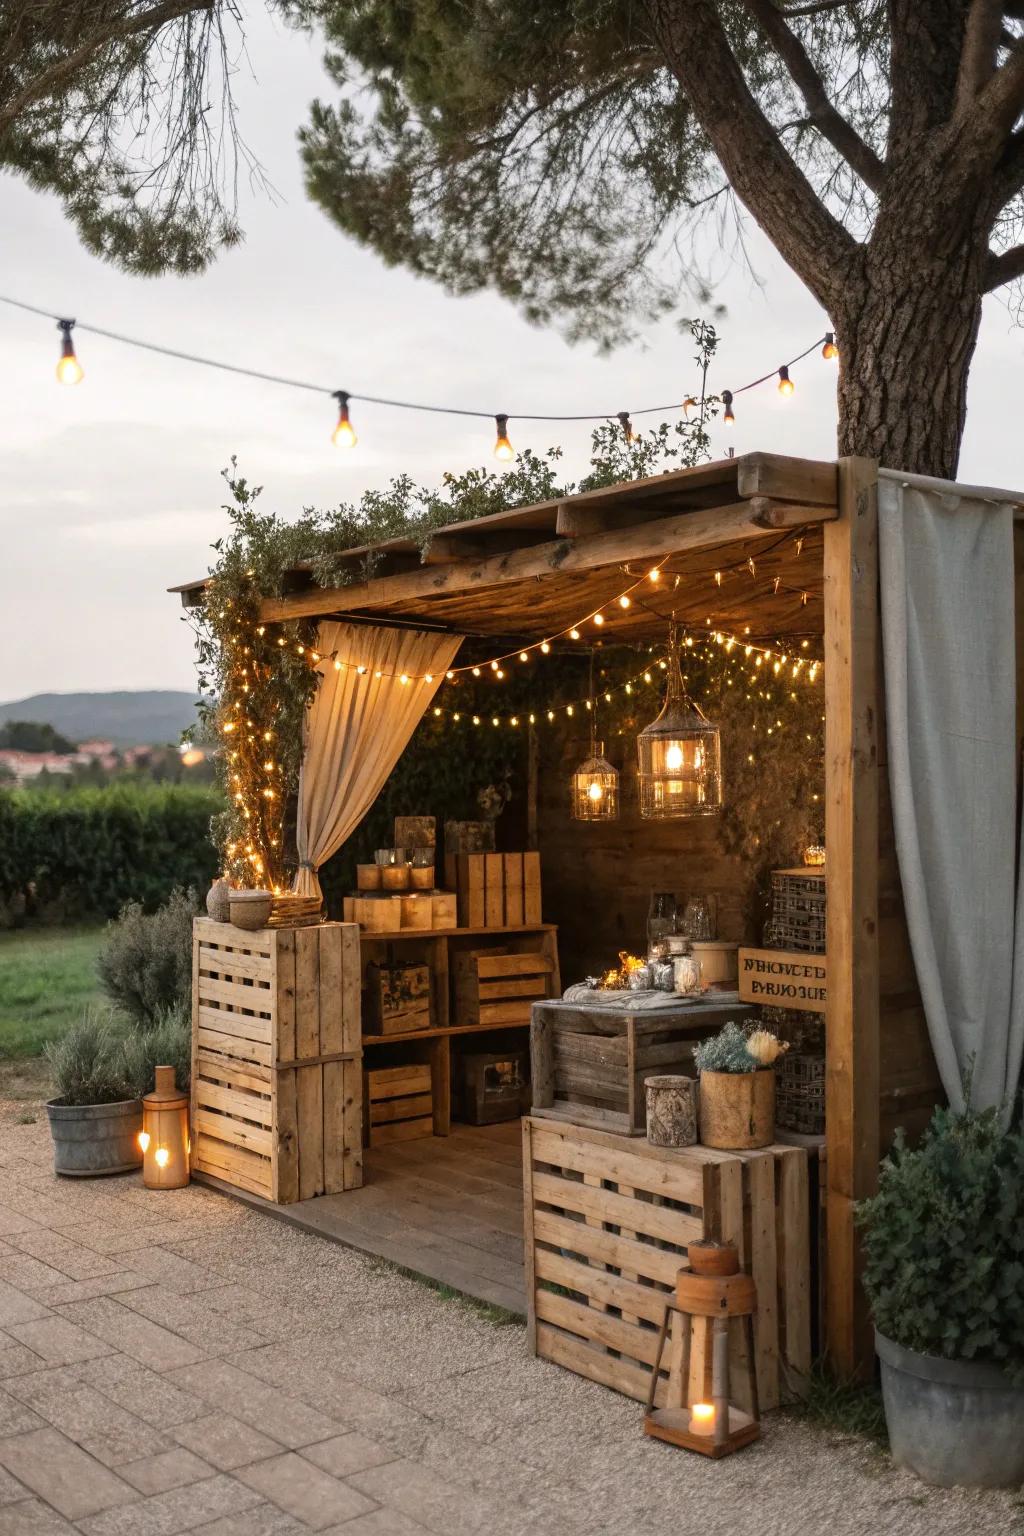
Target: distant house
{"x": 29, "y": 765}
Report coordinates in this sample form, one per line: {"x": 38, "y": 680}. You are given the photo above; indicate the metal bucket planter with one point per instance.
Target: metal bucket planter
{"x": 956, "y": 1423}
{"x": 90, "y": 1139}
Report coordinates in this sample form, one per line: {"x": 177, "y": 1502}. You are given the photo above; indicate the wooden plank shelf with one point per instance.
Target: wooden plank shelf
{"x": 447, "y": 951}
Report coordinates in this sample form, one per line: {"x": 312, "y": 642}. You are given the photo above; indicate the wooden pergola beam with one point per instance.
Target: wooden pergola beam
{"x": 759, "y": 517}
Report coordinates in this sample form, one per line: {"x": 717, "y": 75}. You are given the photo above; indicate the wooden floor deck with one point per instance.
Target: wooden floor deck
{"x": 447, "y": 1207}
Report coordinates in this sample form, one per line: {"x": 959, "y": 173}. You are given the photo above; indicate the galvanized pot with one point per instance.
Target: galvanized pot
{"x": 956, "y": 1423}
{"x": 90, "y": 1139}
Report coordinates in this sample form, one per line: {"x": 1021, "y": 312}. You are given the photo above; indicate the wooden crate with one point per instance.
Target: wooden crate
{"x": 397, "y": 998}
{"x": 276, "y": 1058}
{"x": 495, "y": 986}
{"x": 399, "y": 1104}
{"x": 589, "y": 1065}
{"x": 498, "y": 890}
{"x": 608, "y": 1219}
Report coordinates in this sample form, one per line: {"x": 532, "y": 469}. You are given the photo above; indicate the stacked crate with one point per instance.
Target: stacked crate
{"x": 499, "y": 988}
{"x": 276, "y": 1058}
{"x": 399, "y": 1104}
{"x": 498, "y": 890}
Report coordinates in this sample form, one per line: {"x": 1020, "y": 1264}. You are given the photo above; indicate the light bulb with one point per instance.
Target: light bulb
{"x": 574, "y": 634}
{"x": 69, "y": 369}
{"x": 344, "y": 433}
{"x": 624, "y": 601}
{"x": 595, "y": 791}
{"x": 654, "y": 574}
{"x": 598, "y": 618}
{"x": 544, "y": 648}
{"x": 162, "y": 1157}
{"x": 728, "y": 418}
{"x": 674, "y": 757}
{"x": 688, "y": 405}
{"x": 627, "y": 427}
{"x": 829, "y": 350}
{"x": 503, "y": 449}
{"x": 144, "y": 1141}
{"x": 786, "y": 385}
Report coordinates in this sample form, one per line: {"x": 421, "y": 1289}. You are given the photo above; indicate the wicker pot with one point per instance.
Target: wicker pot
{"x": 91, "y": 1139}
{"x": 737, "y": 1109}
{"x": 218, "y": 901}
{"x": 250, "y": 909}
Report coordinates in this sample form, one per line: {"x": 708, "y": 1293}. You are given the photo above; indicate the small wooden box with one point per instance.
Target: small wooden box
{"x": 493, "y": 987}
{"x": 498, "y": 890}
{"x": 276, "y": 1058}
{"x": 399, "y": 1104}
{"x": 397, "y": 998}
{"x": 415, "y": 831}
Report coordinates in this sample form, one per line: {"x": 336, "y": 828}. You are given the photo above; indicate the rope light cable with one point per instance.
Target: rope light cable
{"x": 503, "y": 447}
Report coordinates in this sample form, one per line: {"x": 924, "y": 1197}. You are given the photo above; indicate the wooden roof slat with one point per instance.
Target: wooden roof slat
{"x": 648, "y": 541}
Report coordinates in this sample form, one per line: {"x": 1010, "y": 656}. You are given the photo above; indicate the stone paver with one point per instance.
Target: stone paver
{"x": 310, "y": 1494}
{"x": 58, "y": 1470}
{"x": 174, "y": 1362}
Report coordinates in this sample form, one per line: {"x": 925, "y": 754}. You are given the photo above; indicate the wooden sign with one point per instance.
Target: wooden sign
{"x": 783, "y": 978}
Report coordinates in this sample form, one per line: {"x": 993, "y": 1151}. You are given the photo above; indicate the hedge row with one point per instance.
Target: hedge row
{"x": 85, "y": 852}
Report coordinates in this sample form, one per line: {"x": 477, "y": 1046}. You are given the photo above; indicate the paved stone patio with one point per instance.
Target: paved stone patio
{"x": 175, "y": 1361}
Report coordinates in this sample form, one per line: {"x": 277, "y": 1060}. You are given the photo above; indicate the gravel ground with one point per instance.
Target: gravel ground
{"x": 175, "y": 1361}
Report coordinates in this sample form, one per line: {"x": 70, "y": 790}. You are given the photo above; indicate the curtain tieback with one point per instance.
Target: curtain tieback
{"x": 307, "y": 864}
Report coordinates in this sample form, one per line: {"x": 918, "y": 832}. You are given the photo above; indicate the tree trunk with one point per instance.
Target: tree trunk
{"x": 906, "y": 337}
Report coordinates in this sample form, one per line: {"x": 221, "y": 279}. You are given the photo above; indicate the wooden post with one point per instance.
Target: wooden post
{"x": 852, "y": 692}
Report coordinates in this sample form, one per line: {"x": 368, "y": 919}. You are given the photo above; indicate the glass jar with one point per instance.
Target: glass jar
{"x": 696, "y": 922}
{"x": 662, "y": 916}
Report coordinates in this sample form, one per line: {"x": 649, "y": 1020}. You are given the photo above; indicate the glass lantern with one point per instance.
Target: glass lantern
{"x": 680, "y": 755}
{"x": 595, "y": 788}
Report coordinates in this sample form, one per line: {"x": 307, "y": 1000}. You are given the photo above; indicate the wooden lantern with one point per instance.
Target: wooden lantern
{"x": 712, "y": 1288}
{"x": 164, "y": 1136}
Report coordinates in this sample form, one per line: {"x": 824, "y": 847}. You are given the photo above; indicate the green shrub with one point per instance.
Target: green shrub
{"x": 944, "y": 1242}
{"x": 70, "y": 854}
{"x": 167, "y": 1042}
{"x": 88, "y": 1062}
{"x": 145, "y": 965}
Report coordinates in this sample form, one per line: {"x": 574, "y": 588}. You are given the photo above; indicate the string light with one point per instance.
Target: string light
{"x": 69, "y": 369}
{"x": 70, "y": 372}
{"x": 344, "y": 433}
{"x": 503, "y": 448}
{"x": 786, "y": 385}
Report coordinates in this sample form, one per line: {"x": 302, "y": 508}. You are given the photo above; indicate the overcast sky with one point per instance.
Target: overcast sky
{"x": 111, "y": 491}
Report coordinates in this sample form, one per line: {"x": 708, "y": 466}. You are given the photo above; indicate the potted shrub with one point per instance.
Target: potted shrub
{"x": 944, "y": 1272}
{"x": 737, "y": 1088}
{"x": 96, "y": 1114}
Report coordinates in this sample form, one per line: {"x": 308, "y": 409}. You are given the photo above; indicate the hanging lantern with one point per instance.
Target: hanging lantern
{"x": 595, "y": 788}
{"x": 164, "y": 1136}
{"x": 680, "y": 755}
{"x": 595, "y": 784}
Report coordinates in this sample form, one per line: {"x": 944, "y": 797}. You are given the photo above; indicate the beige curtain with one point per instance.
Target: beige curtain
{"x": 357, "y": 728}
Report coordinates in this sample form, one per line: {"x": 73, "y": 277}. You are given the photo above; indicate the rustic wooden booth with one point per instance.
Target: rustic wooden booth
{"x": 528, "y": 573}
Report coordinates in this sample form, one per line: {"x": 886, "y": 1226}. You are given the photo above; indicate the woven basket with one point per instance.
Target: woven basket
{"x": 291, "y": 911}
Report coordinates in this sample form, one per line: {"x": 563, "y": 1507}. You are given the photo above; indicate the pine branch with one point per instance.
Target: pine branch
{"x": 821, "y": 113}
{"x": 761, "y": 172}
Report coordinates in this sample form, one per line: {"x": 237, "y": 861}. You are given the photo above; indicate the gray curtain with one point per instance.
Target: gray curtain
{"x": 947, "y": 582}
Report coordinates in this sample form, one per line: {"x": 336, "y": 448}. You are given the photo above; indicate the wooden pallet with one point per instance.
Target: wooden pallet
{"x": 497, "y": 890}
{"x": 276, "y": 1058}
{"x": 399, "y": 1104}
{"x": 608, "y": 1219}
{"x": 499, "y": 987}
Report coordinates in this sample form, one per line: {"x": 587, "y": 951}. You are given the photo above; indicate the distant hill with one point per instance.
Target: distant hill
{"x": 149, "y": 717}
